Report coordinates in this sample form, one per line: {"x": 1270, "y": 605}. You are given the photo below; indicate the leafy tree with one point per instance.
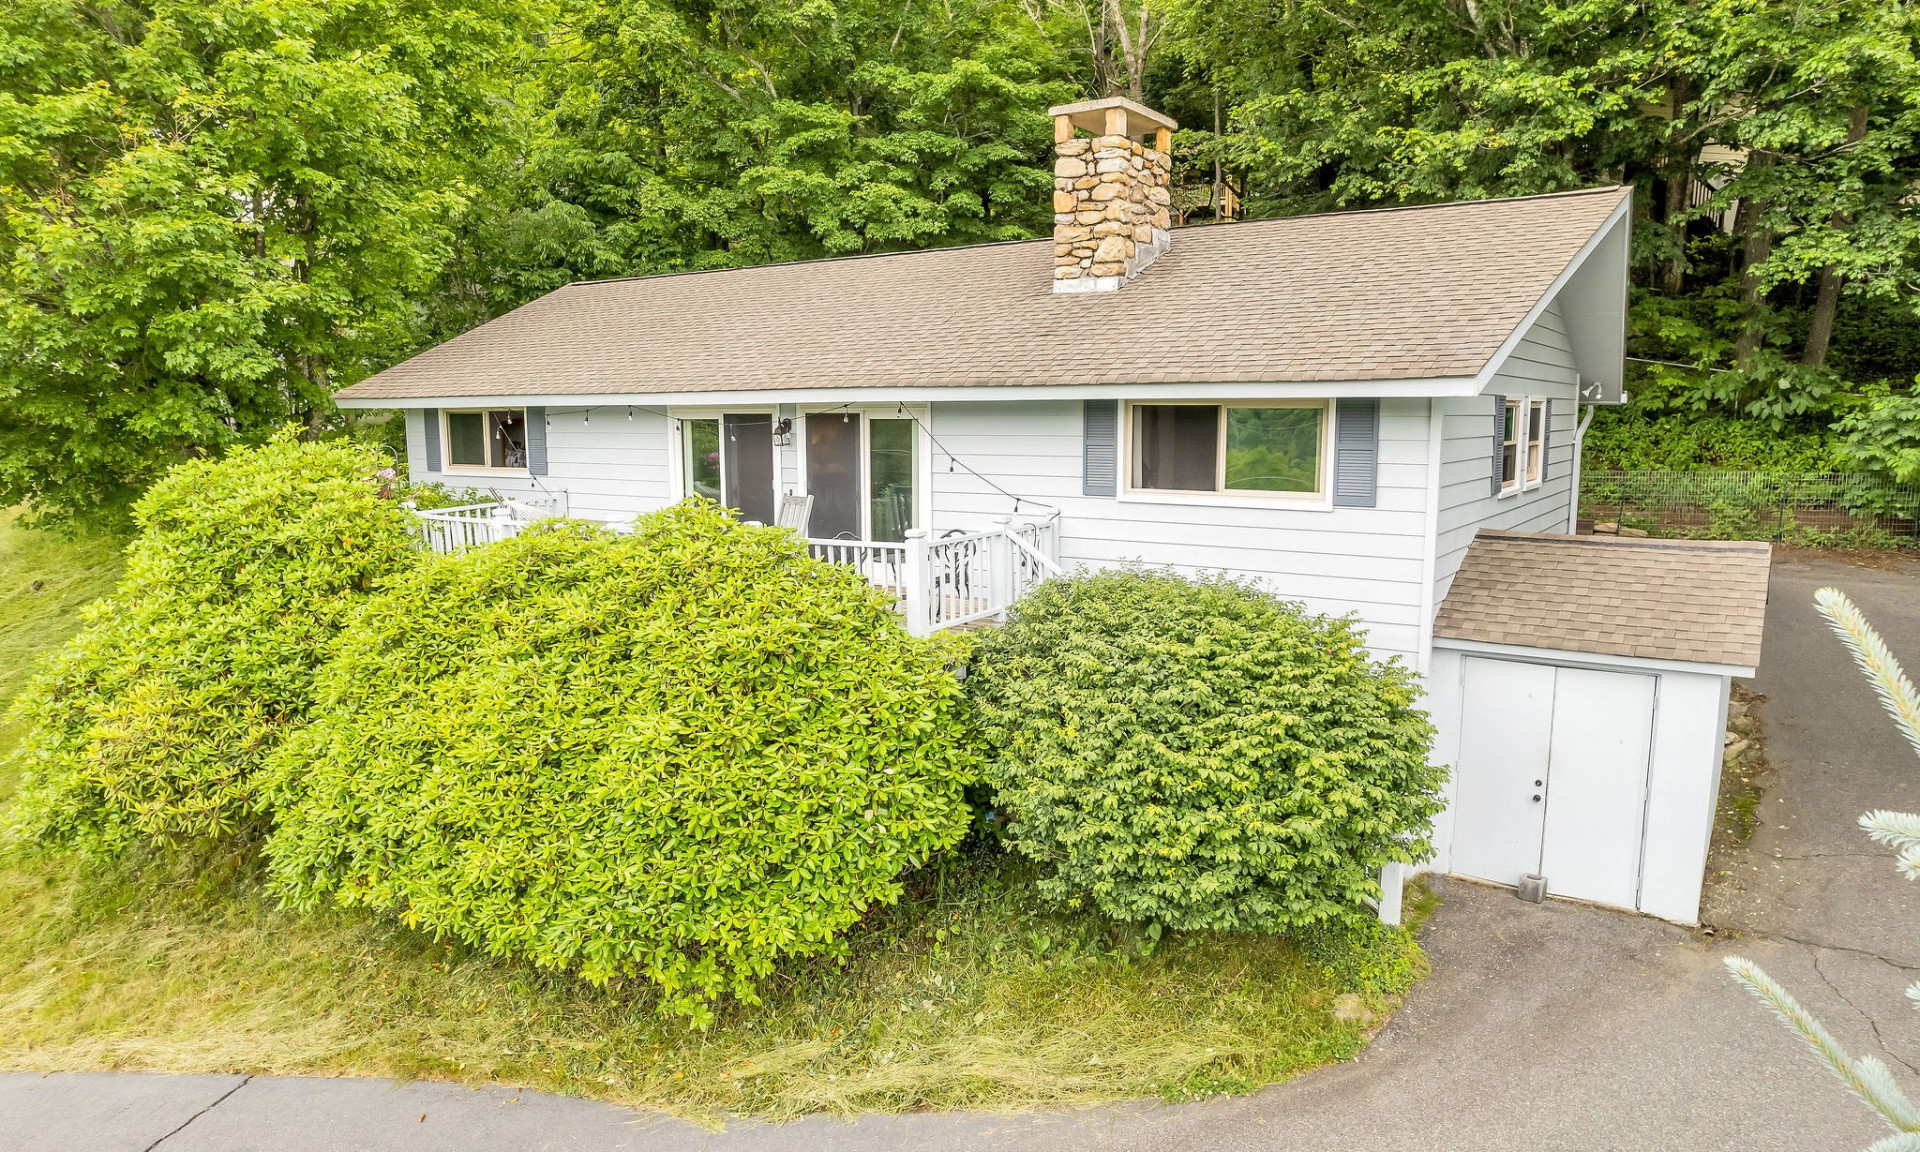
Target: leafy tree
{"x": 211, "y": 214}
{"x": 689, "y": 134}
{"x": 1867, "y": 1076}
{"x": 1798, "y": 121}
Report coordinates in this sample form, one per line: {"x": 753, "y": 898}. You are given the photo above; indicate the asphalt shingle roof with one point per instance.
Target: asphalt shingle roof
{"x": 1404, "y": 293}
{"x": 1692, "y": 600}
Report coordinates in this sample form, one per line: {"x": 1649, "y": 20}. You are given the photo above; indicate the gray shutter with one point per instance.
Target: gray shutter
{"x": 433, "y": 438}
{"x": 537, "y": 441}
{"x": 1499, "y": 437}
{"x": 1100, "y": 439}
{"x": 1356, "y": 453}
{"x": 1546, "y": 438}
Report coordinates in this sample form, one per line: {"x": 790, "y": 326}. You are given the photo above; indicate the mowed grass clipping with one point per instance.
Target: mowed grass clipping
{"x": 969, "y": 994}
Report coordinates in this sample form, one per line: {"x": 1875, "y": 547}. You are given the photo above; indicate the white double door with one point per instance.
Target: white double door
{"x": 1552, "y": 777}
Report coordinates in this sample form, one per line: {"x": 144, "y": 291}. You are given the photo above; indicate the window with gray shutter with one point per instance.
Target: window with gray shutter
{"x": 1499, "y": 441}
{"x": 1356, "y": 453}
{"x": 537, "y": 441}
{"x": 1100, "y": 441}
{"x": 433, "y": 438}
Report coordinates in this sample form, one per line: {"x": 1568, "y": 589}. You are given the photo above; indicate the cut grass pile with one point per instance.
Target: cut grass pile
{"x": 970, "y": 993}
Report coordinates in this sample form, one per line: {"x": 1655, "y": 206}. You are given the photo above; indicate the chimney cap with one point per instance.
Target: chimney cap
{"x": 1092, "y": 115}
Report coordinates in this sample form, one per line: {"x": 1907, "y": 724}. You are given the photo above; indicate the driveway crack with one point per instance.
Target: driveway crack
{"x": 1871, "y": 1022}
{"x": 244, "y": 1081}
{"x": 1831, "y": 856}
{"x": 1825, "y": 946}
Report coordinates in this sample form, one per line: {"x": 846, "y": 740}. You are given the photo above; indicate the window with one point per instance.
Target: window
{"x": 1536, "y": 439}
{"x": 1256, "y": 449}
{"x": 889, "y": 479}
{"x": 491, "y": 439}
{"x": 703, "y": 457}
{"x": 1510, "y": 447}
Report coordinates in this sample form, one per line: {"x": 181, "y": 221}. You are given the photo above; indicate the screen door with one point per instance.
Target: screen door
{"x": 833, "y": 474}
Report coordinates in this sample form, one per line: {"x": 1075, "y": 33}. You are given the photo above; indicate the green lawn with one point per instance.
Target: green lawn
{"x": 970, "y": 993}
{"x": 45, "y": 579}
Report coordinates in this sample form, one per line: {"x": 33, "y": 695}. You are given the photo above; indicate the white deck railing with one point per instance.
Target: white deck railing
{"x": 883, "y": 564}
{"x": 465, "y": 526}
{"x": 960, "y": 578}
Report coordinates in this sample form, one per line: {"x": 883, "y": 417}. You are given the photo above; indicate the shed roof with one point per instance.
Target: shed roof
{"x": 1697, "y": 601}
{"x": 1392, "y": 294}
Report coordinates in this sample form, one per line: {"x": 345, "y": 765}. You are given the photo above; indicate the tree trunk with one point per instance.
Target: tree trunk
{"x": 1826, "y": 305}
{"x": 1679, "y": 182}
{"x": 1219, "y": 179}
{"x": 1750, "y": 223}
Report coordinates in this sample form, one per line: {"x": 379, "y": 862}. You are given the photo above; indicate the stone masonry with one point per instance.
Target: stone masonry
{"x": 1110, "y": 208}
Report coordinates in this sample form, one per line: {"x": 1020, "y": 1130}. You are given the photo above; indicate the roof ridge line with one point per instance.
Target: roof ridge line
{"x": 1376, "y": 211}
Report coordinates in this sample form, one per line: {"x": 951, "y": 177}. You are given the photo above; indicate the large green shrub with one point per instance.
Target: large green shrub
{"x": 680, "y": 754}
{"x": 151, "y": 723}
{"x": 1197, "y": 754}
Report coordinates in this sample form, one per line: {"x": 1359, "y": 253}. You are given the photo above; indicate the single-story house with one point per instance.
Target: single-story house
{"x": 1331, "y": 405}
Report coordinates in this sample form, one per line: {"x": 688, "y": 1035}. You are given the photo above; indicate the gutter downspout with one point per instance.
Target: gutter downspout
{"x": 1579, "y": 447}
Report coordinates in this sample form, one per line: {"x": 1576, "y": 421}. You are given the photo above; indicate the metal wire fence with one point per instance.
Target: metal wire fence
{"x": 1835, "y": 508}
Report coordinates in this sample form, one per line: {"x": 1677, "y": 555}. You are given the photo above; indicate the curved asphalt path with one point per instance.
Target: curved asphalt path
{"x": 1550, "y": 1027}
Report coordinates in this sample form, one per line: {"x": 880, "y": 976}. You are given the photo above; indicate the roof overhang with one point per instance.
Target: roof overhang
{"x": 866, "y": 394}
{"x": 1592, "y": 290}
{"x": 1563, "y": 657}
{"x": 1091, "y": 115}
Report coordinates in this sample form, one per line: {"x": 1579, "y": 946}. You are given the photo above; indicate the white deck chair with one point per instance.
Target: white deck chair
{"x": 795, "y": 512}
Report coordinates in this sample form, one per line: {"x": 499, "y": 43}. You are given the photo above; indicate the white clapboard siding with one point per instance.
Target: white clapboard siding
{"x": 1361, "y": 560}
{"x": 1542, "y": 367}
{"x": 610, "y": 467}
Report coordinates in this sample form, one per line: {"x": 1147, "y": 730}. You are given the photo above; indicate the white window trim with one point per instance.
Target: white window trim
{"x": 677, "y": 487}
{"x": 449, "y": 468}
{"x": 1318, "y": 501}
{"x": 1530, "y": 468}
{"x": 1522, "y": 450}
{"x": 922, "y": 457}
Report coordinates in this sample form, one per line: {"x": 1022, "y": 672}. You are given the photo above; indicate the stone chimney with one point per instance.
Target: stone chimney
{"x": 1110, "y": 192}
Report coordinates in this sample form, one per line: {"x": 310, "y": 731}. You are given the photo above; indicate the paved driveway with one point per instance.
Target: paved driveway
{"x": 1542, "y": 1027}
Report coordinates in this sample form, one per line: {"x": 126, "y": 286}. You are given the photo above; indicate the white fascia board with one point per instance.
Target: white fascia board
{"x": 1312, "y": 390}
{"x": 1586, "y": 659}
{"x": 1615, "y": 219}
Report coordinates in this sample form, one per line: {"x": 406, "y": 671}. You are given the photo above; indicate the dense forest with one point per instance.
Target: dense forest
{"x": 213, "y": 214}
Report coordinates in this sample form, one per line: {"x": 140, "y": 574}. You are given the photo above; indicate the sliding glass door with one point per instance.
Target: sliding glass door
{"x": 729, "y": 459}
{"x": 863, "y": 474}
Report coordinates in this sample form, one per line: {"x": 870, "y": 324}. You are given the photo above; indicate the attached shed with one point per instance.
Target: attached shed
{"x": 1579, "y": 688}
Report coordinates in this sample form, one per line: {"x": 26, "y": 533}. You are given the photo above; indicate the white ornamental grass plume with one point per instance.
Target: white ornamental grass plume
{"x": 1869, "y": 1079}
